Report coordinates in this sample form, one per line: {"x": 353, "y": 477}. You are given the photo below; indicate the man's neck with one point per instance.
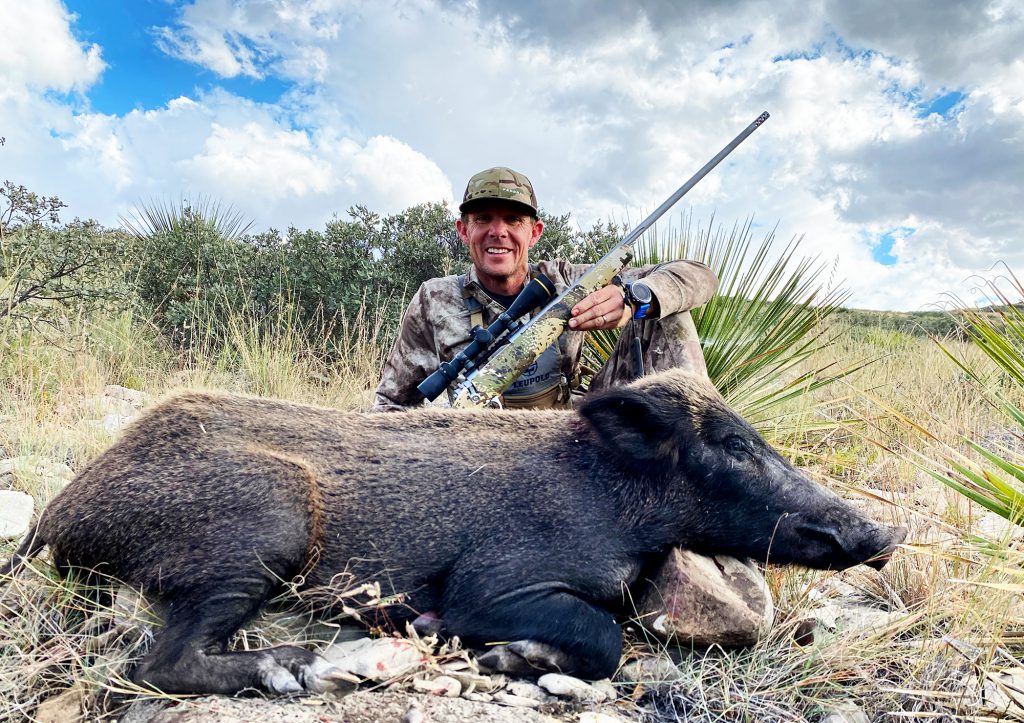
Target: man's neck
{"x": 509, "y": 286}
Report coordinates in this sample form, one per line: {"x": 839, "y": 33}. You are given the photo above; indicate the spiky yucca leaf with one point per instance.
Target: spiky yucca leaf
{"x": 156, "y": 216}
{"x": 763, "y": 322}
{"x": 998, "y": 331}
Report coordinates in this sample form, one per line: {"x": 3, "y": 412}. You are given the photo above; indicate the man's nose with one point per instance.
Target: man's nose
{"x": 498, "y": 227}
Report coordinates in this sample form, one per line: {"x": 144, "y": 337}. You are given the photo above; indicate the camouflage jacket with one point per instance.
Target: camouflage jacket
{"x": 436, "y": 324}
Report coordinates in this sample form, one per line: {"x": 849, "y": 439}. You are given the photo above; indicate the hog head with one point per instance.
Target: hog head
{"x": 726, "y": 490}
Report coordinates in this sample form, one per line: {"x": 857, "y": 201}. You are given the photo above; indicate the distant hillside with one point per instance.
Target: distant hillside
{"x": 918, "y": 323}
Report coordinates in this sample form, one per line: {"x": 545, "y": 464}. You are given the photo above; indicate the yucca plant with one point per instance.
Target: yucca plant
{"x": 997, "y": 330}
{"x": 765, "y": 319}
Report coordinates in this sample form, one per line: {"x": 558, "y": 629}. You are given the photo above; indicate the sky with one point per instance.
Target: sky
{"x": 895, "y": 147}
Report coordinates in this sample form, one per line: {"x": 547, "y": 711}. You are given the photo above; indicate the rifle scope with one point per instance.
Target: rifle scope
{"x": 539, "y": 291}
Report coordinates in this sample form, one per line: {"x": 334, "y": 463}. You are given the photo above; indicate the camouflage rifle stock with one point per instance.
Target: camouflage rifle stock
{"x": 521, "y": 349}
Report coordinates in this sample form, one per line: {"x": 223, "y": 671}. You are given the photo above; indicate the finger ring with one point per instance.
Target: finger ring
{"x": 603, "y": 320}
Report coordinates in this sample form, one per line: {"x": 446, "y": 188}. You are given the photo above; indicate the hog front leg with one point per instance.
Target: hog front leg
{"x": 190, "y": 654}
{"x": 538, "y": 629}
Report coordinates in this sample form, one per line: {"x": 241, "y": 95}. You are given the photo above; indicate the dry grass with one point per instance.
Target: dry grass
{"x": 956, "y": 601}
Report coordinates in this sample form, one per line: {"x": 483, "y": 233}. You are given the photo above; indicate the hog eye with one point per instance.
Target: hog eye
{"x": 734, "y": 444}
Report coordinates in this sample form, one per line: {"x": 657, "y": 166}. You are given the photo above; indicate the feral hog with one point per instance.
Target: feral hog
{"x": 524, "y": 527}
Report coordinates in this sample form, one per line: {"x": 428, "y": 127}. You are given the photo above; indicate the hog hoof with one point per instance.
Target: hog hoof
{"x": 293, "y": 670}
{"x": 524, "y": 658}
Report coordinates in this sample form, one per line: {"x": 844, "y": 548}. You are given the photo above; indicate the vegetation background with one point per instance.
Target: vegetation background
{"x": 914, "y": 417}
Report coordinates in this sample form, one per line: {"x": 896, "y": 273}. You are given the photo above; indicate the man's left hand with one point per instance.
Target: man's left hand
{"x": 604, "y": 309}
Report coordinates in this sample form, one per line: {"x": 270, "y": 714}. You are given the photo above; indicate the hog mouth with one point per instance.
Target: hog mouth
{"x": 829, "y": 548}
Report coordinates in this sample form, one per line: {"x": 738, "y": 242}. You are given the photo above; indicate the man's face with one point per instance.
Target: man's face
{"x": 499, "y": 238}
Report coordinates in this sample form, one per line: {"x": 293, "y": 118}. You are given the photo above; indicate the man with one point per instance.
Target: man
{"x": 499, "y": 225}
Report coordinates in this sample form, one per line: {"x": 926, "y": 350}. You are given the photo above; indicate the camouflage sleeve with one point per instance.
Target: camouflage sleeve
{"x": 677, "y": 285}
{"x": 413, "y": 357}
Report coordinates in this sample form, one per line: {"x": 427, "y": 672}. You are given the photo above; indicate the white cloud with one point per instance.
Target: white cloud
{"x": 38, "y": 51}
{"x": 607, "y": 106}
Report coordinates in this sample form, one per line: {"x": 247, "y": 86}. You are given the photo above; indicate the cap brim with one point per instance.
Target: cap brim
{"x": 476, "y": 203}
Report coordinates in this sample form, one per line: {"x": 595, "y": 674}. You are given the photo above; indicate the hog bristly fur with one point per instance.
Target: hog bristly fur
{"x": 510, "y": 525}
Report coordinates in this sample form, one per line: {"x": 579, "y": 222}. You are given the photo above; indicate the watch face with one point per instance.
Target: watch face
{"x": 641, "y": 293}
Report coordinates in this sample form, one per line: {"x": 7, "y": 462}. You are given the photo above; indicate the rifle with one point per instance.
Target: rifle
{"x": 519, "y": 349}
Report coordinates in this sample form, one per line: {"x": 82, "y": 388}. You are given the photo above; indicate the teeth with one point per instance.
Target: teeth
{"x": 498, "y": 251}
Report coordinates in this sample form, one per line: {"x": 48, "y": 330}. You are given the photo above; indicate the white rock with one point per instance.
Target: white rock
{"x": 598, "y": 717}
{"x": 853, "y": 619}
{"x": 113, "y": 422}
{"x": 997, "y": 527}
{"x": 134, "y": 397}
{"x": 659, "y": 669}
{"x": 607, "y": 687}
{"x": 442, "y": 685}
{"x": 566, "y": 686}
{"x": 380, "y": 659}
{"x": 514, "y": 701}
{"x": 41, "y": 468}
{"x": 525, "y": 689}
{"x": 15, "y": 514}
{"x": 846, "y": 713}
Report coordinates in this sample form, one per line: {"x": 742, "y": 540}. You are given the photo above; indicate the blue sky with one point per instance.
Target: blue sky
{"x": 894, "y": 150}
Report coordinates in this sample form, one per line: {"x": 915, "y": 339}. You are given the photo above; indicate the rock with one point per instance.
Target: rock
{"x": 55, "y": 475}
{"x": 1003, "y": 692}
{"x": 607, "y": 687}
{"x": 525, "y": 689}
{"x": 113, "y": 422}
{"x": 471, "y": 682}
{"x": 442, "y": 685}
{"x": 845, "y": 713}
{"x": 845, "y": 618}
{"x": 698, "y": 600}
{"x": 15, "y": 514}
{"x": 514, "y": 701}
{"x": 600, "y": 717}
{"x": 651, "y": 671}
{"x": 997, "y": 527}
{"x": 63, "y": 708}
{"x": 380, "y": 659}
{"x": 566, "y": 686}
{"x": 134, "y": 397}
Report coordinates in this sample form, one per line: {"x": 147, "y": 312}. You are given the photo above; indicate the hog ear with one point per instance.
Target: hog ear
{"x": 631, "y": 424}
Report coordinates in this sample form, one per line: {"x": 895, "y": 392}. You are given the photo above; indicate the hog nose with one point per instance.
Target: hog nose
{"x": 896, "y": 536}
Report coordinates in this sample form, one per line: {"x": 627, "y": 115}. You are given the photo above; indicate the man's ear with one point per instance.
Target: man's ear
{"x": 463, "y": 232}
{"x": 632, "y": 425}
{"x": 538, "y": 229}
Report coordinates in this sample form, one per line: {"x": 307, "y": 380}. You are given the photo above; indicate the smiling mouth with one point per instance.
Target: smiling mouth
{"x": 498, "y": 252}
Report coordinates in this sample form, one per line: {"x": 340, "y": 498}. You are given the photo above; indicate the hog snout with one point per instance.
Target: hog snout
{"x": 841, "y": 541}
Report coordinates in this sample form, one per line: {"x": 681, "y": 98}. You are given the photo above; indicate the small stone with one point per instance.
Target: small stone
{"x": 851, "y": 619}
{"x": 15, "y": 514}
{"x": 698, "y": 600}
{"x": 600, "y": 717}
{"x": 514, "y": 701}
{"x": 471, "y": 681}
{"x": 656, "y": 670}
{"x": 997, "y": 527}
{"x": 566, "y": 686}
{"x": 133, "y": 396}
{"x": 525, "y": 689}
{"x": 443, "y": 686}
{"x": 607, "y": 687}
{"x": 845, "y": 713}
{"x": 113, "y": 422}
{"x": 380, "y": 659}
{"x": 63, "y": 708}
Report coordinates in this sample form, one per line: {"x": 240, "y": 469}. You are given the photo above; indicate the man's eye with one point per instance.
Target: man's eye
{"x": 513, "y": 220}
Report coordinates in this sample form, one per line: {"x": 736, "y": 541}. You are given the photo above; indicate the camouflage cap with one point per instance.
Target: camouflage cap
{"x": 499, "y": 184}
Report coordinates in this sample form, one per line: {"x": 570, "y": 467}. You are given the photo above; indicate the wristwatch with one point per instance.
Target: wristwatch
{"x": 638, "y": 295}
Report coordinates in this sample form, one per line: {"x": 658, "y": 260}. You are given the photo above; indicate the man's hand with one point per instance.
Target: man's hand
{"x": 604, "y": 309}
